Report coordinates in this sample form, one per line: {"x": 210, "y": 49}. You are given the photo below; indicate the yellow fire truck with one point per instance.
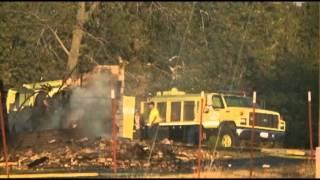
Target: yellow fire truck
{"x": 230, "y": 112}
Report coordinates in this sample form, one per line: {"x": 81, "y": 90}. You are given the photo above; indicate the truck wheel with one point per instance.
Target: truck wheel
{"x": 228, "y": 139}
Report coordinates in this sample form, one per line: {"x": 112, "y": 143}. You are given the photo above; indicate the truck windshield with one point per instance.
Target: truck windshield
{"x": 238, "y": 101}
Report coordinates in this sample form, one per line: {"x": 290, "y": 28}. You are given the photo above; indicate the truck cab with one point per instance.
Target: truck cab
{"x": 235, "y": 113}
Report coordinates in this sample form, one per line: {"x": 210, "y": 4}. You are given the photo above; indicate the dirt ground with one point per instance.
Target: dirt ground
{"x": 302, "y": 170}
{"x": 305, "y": 170}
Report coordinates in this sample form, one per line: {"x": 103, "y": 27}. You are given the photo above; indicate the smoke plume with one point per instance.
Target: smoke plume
{"x": 87, "y": 108}
{"x": 90, "y": 106}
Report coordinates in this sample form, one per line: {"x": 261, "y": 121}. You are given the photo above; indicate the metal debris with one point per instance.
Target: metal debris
{"x": 64, "y": 152}
{"x": 37, "y": 162}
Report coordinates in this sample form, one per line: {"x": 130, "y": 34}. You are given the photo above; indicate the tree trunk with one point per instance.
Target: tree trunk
{"x": 76, "y": 38}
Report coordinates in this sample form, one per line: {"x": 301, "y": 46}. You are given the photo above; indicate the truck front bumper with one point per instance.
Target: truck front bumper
{"x": 265, "y": 135}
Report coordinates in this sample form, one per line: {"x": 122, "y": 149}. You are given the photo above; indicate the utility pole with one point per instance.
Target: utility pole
{"x": 114, "y": 131}
{"x": 3, "y": 129}
{"x": 319, "y": 75}
{"x": 310, "y": 123}
{"x": 252, "y": 131}
{"x": 200, "y": 134}
{"x": 318, "y": 147}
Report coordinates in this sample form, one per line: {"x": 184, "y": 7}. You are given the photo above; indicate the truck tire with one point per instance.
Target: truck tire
{"x": 228, "y": 139}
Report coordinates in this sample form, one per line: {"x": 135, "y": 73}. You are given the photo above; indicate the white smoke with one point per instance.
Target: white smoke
{"x": 90, "y": 106}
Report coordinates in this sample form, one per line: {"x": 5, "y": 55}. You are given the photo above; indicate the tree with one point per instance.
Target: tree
{"x": 77, "y": 34}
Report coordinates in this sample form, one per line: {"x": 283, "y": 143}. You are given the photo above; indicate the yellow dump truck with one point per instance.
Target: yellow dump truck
{"x": 230, "y": 112}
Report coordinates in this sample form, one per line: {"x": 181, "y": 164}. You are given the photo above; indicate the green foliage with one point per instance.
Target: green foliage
{"x": 29, "y": 50}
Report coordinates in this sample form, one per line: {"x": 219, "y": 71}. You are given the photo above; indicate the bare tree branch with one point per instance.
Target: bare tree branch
{"x": 44, "y": 22}
{"x": 185, "y": 33}
{"x": 244, "y": 36}
{"x": 59, "y": 40}
{"x": 54, "y": 53}
{"x": 93, "y": 7}
{"x": 155, "y": 66}
{"x": 92, "y": 60}
{"x": 138, "y": 6}
{"x": 41, "y": 33}
{"x": 90, "y": 11}
{"x": 100, "y": 40}
{"x": 133, "y": 76}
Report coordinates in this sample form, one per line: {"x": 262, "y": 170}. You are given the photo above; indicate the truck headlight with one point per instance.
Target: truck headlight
{"x": 243, "y": 121}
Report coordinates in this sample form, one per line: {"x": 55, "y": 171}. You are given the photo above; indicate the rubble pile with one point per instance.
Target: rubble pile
{"x": 67, "y": 152}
